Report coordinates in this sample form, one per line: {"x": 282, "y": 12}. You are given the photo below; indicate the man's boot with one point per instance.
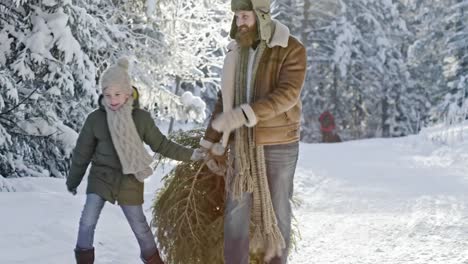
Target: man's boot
{"x": 153, "y": 259}
{"x": 84, "y": 256}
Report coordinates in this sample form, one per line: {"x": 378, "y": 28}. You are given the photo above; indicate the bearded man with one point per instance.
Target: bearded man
{"x": 256, "y": 122}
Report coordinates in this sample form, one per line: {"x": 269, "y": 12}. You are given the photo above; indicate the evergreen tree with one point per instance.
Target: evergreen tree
{"x": 196, "y": 34}
{"x": 51, "y": 56}
{"x": 455, "y": 63}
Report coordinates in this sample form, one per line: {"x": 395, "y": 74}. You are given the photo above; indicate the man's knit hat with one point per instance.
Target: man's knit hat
{"x": 117, "y": 76}
{"x": 262, "y": 11}
{"x": 245, "y": 5}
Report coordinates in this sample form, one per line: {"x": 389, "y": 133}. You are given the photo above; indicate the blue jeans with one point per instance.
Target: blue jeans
{"x": 281, "y": 163}
{"x": 133, "y": 213}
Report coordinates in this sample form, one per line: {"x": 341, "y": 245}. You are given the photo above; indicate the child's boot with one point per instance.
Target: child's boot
{"x": 84, "y": 256}
{"x": 153, "y": 259}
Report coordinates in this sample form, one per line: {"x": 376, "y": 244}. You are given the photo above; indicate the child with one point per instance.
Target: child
{"x": 111, "y": 139}
{"x": 327, "y": 127}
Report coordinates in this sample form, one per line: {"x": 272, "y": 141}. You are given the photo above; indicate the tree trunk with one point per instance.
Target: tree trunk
{"x": 177, "y": 88}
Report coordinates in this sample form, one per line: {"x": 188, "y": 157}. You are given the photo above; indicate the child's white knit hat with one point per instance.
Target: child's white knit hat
{"x": 117, "y": 76}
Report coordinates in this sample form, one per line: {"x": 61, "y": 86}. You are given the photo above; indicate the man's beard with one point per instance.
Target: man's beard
{"x": 246, "y": 36}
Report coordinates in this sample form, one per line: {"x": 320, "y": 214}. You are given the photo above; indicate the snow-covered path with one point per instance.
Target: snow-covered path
{"x": 379, "y": 201}
{"x": 382, "y": 201}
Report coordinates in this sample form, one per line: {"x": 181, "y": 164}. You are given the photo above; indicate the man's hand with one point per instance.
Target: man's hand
{"x": 229, "y": 120}
{"x": 215, "y": 158}
{"x": 216, "y": 166}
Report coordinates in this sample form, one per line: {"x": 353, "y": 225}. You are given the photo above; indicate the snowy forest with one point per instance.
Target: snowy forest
{"x": 384, "y": 68}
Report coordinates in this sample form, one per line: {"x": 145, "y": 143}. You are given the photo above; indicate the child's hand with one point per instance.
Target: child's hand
{"x": 71, "y": 190}
{"x": 198, "y": 154}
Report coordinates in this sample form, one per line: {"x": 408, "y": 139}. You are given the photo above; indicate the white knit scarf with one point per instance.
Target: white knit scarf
{"x": 127, "y": 142}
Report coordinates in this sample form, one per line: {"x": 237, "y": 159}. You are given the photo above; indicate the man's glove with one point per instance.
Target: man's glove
{"x": 217, "y": 165}
{"x": 235, "y": 118}
{"x": 230, "y": 120}
{"x": 216, "y": 159}
{"x": 215, "y": 156}
{"x": 71, "y": 190}
{"x": 198, "y": 154}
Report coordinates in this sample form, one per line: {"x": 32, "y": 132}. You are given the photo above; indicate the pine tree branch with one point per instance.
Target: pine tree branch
{"x": 22, "y": 131}
{"x": 191, "y": 200}
{"x": 8, "y": 13}
{"x": 20, "y": 103}
{"x": 13, "y": 124}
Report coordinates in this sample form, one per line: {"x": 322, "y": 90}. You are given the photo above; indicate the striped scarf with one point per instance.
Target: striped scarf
{"x": 249, "y": 174}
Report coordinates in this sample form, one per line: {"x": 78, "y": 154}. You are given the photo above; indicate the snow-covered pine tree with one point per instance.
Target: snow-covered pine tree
{"x": 359, "y": 63}
{"x": 380, "y": 66}
{"x": 454, "y": 108}
{"x": 36, "y": 138}
{"x": 5, "y": 186}
{"x": 425, "y": 53}
{"x": 292, "y": 14}
{"x": 51, "y": 55}
{"x": 196, "y": 33}
{"x": 316, "y": 31}
{"x": 437, "y": 55}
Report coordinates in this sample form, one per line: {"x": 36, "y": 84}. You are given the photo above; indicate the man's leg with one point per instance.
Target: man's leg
{"x": 236, "y": 230}
{"x": 281, "y": 163}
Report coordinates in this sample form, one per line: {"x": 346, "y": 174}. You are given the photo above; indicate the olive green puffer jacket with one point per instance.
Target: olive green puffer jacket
{"x": 105, "y": 177}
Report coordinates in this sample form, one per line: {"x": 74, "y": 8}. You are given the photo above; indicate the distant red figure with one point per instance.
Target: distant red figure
{"x": 327, "y": 127}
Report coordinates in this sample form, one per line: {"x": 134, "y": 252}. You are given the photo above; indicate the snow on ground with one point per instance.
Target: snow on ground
{"x": 376, "y": 201}
{"x": 382, "y": 201}
{"x": 39, "y": 223}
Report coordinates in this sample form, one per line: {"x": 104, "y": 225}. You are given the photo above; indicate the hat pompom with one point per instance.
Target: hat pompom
{"x": 123, "y": 62}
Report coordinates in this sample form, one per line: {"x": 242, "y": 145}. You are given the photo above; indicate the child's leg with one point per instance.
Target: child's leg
{"x": 137, "y": 220}
{"x": 89, "y": 217}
